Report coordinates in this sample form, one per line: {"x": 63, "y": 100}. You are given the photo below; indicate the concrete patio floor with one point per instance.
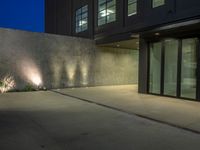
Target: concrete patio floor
{"x": 177, "y": 112}
{"x": 52, "y": 121}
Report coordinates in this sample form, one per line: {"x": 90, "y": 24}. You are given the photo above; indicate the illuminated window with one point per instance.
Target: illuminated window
{"x": 132, "y": 7}
{"x": 106, "y": 11}
{"x": 82, "y": 19}
{"x": 157, "y": 3}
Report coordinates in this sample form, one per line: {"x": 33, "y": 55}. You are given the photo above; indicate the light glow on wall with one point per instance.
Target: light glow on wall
{"x": 84, "y": 73}
{"x": 35, "y": 78}
{"x": 31, "y": 72}
{"x": 71, "y": 71}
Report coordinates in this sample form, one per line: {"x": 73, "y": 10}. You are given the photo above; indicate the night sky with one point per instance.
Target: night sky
{"x": 22, "y": 14}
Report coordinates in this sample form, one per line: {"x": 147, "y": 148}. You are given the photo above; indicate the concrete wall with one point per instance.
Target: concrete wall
{"x": 62, "y": 61}
{"x": 116, "y": 66}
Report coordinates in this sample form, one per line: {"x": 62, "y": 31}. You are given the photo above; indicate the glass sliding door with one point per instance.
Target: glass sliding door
{"x": 173, "y": 68}
{"x": 188, "y": 69}
{"x": 170, "y": 67}
{"x": 155, "y": 68}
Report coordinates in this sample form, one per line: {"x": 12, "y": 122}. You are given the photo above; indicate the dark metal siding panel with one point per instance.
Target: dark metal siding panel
{"x": 187, "y": 8}
{"x": 60, "y": 19}
{"x": 50, "y": 15}
{"x": 143, "y": 67}
{"x": 149, "y": 18}
{"x": 64, "y": 17}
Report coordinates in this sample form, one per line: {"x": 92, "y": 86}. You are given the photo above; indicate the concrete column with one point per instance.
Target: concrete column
{"x": 143, "y": 67}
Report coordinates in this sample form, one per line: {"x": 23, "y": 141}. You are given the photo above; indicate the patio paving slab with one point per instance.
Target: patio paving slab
{"x": 51, "y": 121}
{"x": 177, "y": 112}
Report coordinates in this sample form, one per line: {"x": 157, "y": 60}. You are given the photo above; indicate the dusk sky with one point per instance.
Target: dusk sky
{"x": 22, "y": 14}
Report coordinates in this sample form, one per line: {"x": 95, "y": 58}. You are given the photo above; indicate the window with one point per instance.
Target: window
{"x": 157, "y": 3}
{"x": 188, "y": 68}
{"x": 106, "y": 11}
{"x": 132, "y": 7}
{"x": 82, "y": 19}
{"x": 173, "y": 67}
{"x": 155, "y": 68}
{"x": 170, "y": 67}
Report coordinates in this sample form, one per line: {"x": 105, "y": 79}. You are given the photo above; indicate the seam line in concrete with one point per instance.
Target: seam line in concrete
{"x": 129, "y": 113}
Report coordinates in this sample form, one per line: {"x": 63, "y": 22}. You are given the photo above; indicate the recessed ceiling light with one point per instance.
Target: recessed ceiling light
{"x": 157, "y": 33}
{"x": 134, "y": 35}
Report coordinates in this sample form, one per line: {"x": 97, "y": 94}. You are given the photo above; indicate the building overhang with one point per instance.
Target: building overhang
{"x": 186, "y": 28}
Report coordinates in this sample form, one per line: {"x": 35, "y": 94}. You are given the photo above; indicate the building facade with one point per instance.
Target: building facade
{"x": 166, "y": 33}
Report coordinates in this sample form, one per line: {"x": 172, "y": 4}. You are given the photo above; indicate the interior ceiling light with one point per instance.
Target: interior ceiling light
{"x": 106, "y": 13}
{"x": 82, "y": 23}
